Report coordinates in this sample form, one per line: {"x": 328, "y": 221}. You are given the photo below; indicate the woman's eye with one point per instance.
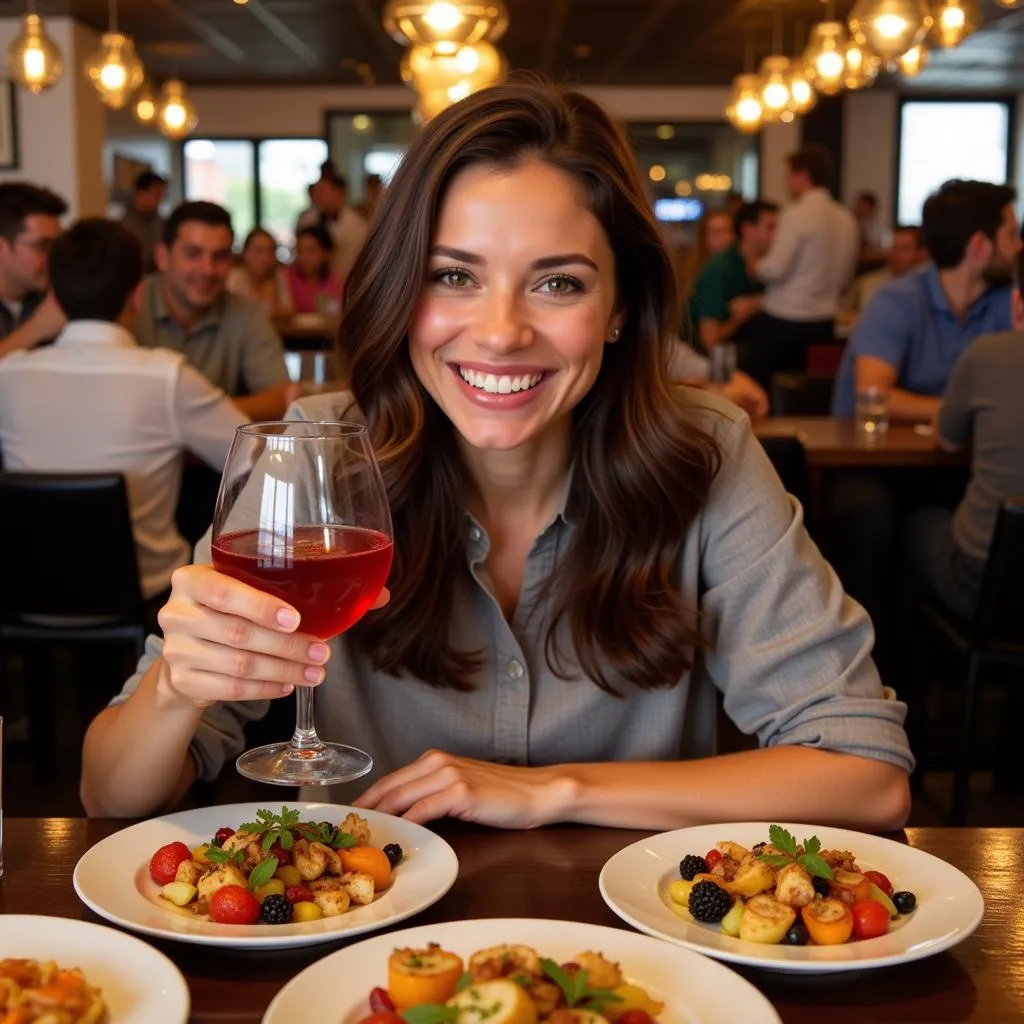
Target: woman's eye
{"x": 560, "y": 286}
{"x": 453, "y": 278}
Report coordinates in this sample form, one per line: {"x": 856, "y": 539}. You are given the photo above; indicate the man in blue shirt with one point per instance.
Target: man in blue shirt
{"x": 907, "y": 342}
{"x": 913, "y": 331}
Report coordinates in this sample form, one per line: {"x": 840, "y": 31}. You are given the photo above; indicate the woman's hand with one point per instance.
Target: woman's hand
{"x": 440, "y": 785}
{"x": 227, "y": 641}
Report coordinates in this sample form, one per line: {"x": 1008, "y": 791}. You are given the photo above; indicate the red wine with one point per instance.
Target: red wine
{"x": 330, "y": 574}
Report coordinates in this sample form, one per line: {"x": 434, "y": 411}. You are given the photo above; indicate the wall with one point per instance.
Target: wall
{"x": 869, "y": 147}
{"x": 61, "y": 131}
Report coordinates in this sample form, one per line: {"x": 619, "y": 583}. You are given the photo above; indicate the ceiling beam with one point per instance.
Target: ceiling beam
{"x": 629, "y": 48}
{"x": 202, "y": 28}
{"x": 556, "y": 19}
{"x": 375, "y": 28}
{"x": 282, "y": 33}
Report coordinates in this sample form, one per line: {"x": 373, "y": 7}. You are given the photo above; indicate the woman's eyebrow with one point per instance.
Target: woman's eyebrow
{"x": 548, "y": 262}
{"x": 457, "y": 254}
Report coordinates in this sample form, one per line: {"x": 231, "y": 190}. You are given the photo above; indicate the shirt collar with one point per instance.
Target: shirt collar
{"x": 937, "y": 295}
{"x": 95, "y": 332}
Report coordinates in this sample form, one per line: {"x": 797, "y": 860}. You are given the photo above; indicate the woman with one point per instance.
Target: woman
{"x": 559, "y": 659}
{"x": 313, "y": 285}
{"x": 259, "y": 277}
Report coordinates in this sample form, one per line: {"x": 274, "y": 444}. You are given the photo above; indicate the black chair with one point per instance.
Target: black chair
{"x": 994, "y": 637}
{"x": 70, "y": 575}
{"x": 790, "y": 461}
{"x": 801, "y": 394}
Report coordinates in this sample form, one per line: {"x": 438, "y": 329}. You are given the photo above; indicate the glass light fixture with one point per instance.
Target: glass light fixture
{"x": 744, "y": 109}
{"x": 825, "y": 56}
{"x": 862, "y": 67}
{"x": 34, "y": 60}
{"x": 445, "y": 25}
{"x": 144, "y": 106}
{"x": 115, "y": 69}
{"x": 802, "y": 96}
{"x": 774, "y": 88}
{"x": 1010, "y": 3}
{"x": 177, "y": 115}
{"x": 914, "y": 61}
{"x": 955, "y": 20}
{"x": 890, "y": 27}
{"x": 442, "y": 80}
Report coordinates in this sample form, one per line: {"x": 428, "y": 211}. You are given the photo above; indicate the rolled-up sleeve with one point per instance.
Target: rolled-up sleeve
{"x": 221, "y": 732}
{"x": 791, "y": 653}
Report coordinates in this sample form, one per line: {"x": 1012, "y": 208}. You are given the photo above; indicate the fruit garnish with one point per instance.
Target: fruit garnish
{"x": 810, "y": 858}
{"x": 576, "y": 989}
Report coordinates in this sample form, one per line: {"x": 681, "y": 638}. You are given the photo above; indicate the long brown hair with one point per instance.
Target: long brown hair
{"x": 641, "y": 471}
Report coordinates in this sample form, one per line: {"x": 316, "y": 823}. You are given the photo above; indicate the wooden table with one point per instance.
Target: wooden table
{"x": 831, "y": 443}
{"x": 552, "y": 873}
{"x": 307, "y": 332}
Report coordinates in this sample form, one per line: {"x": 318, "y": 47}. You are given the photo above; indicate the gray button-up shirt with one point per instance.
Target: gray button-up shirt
{"x": 235, "y": 347}
{"x": 790, "y": 651}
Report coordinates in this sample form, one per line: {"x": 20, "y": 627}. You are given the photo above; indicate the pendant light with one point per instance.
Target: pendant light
{"x": 445, "y": 25}
{"x": 954, "y": 21}
{"x": 177, "y": 115}
{"x": 34, "y": 60}
{"x": 1010, "y": 3}
{"x": 114, "y": 68}
{"x": 744, "y": 108}
{"x": 440, "y": 81}
{"x": 914, "y": 61}
{"x": 775, "y": 80}
{"x": 862, "y": 67}
{"x": 802, "y": 97}
{"x": 825, "y": 56}
{"x": 890, "y": 27}
{"x": 145, "y": 106}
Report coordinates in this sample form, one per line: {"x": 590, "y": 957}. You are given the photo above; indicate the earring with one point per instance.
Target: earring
{"x": 615, "y": 334}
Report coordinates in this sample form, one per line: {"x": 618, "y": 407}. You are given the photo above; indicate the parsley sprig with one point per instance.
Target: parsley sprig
{"x": 285, "y": 828}
{"x": 810, "y": 857}
{"x": 577, "y": 990}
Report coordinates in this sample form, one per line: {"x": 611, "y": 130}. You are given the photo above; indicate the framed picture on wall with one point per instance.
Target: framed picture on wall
{"x": 8, "y": 128}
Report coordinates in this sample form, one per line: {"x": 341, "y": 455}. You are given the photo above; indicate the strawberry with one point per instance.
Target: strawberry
{"x": 298, "y": 894}
{"x": 233, "y": 904}
{"x": 163, "y": 868}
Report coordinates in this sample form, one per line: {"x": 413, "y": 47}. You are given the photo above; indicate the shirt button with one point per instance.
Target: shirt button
{"x": 515, "y": 669}
{"x": 475, "y": 534}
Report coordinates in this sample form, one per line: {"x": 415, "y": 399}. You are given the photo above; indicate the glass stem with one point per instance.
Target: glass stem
{"x": 305, "y": 737}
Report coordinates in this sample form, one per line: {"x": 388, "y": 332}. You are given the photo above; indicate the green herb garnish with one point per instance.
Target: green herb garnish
{"x": 464, "y": 981}
{"x": 429, "y": 1013}
{"x": 263, "y": 872}
{"x": 576, "y": 989}
{"x": 810, "y": 859}
{"x": 217, "y": 856}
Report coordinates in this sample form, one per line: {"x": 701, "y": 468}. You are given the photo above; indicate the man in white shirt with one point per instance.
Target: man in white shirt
{"x": 330, "y": 209}
{"x": 96, "y": 402}
{"x": 810, "y": 263}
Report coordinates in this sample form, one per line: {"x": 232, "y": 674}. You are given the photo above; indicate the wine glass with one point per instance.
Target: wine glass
{"x": 302, "y": 513}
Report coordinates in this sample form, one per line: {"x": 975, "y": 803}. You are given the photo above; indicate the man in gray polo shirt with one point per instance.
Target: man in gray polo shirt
{"x": 186, "y": 307}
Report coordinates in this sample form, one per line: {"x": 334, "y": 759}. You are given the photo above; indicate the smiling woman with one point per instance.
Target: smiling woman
{"x": 584, "y": 550}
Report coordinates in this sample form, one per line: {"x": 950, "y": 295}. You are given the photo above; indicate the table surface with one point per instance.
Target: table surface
{"x": 552, "y": 873}
{"x": 834, "y": 442}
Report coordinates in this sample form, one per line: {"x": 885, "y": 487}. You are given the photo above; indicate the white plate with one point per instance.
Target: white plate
{"x": 695, "y": 990}
{"x": 634, "y": 883}
{"x": 140, "y": 985}
{"x": 113, "y": 878}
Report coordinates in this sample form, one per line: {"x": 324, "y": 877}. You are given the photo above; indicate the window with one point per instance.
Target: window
{"x": 261, "y": 181}
{"x": 940, "y": 140}
{"x": 363, "y": 144}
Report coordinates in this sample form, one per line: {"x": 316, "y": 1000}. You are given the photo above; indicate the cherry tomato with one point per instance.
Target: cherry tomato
{"x": 163, "y": 868}
{"x": 303, "y": 894}
{"x": 711, "y": 859}
{"x": 283, "y": 856}
{"x": 870, "y": 919}
{"x": 383, "y": 1017}
{"x": 232, "y": 904}
{"x": 880, "y": 880}
{"x": 222, "y": 836}
{"x": 380, "y": 1001}
{"x": 635, "y": 1017}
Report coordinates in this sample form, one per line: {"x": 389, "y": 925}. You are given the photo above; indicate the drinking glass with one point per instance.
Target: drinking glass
{"x": 302, "y": 513}
{"x": 722, "y": 363}
{"x": 871, "y": 412}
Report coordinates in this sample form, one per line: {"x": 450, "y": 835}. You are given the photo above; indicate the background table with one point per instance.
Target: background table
{"x": 553, "y": 873}
{"x": 833, "y": 443}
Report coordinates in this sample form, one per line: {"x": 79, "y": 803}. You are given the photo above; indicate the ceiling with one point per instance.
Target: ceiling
{"x": 620, "y": 42}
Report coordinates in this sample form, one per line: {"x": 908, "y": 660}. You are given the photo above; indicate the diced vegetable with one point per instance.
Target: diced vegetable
{"x": 423, "y": 976}
{"x": 731, "y": 922}
{"x": 179, "y": 893}
{"x": 829, "y": 921}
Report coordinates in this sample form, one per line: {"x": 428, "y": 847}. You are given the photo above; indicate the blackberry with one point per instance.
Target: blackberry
{"x": 394, "y": 854}
{"x": 820, "y": 886}
{"x": 276, "y": 910}
{"x": 709, "y": 902}
{"x": 692, "y": 865}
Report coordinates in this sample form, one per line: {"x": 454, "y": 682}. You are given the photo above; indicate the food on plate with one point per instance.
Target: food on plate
{"x": 276, "y": 870}
{"x": 786, "y": 892}
{"x": 40, "y": 992}
{"x": 507, "y": 984}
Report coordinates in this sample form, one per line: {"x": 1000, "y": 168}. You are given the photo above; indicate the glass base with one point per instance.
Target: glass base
{"x": 281, "y": 764}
